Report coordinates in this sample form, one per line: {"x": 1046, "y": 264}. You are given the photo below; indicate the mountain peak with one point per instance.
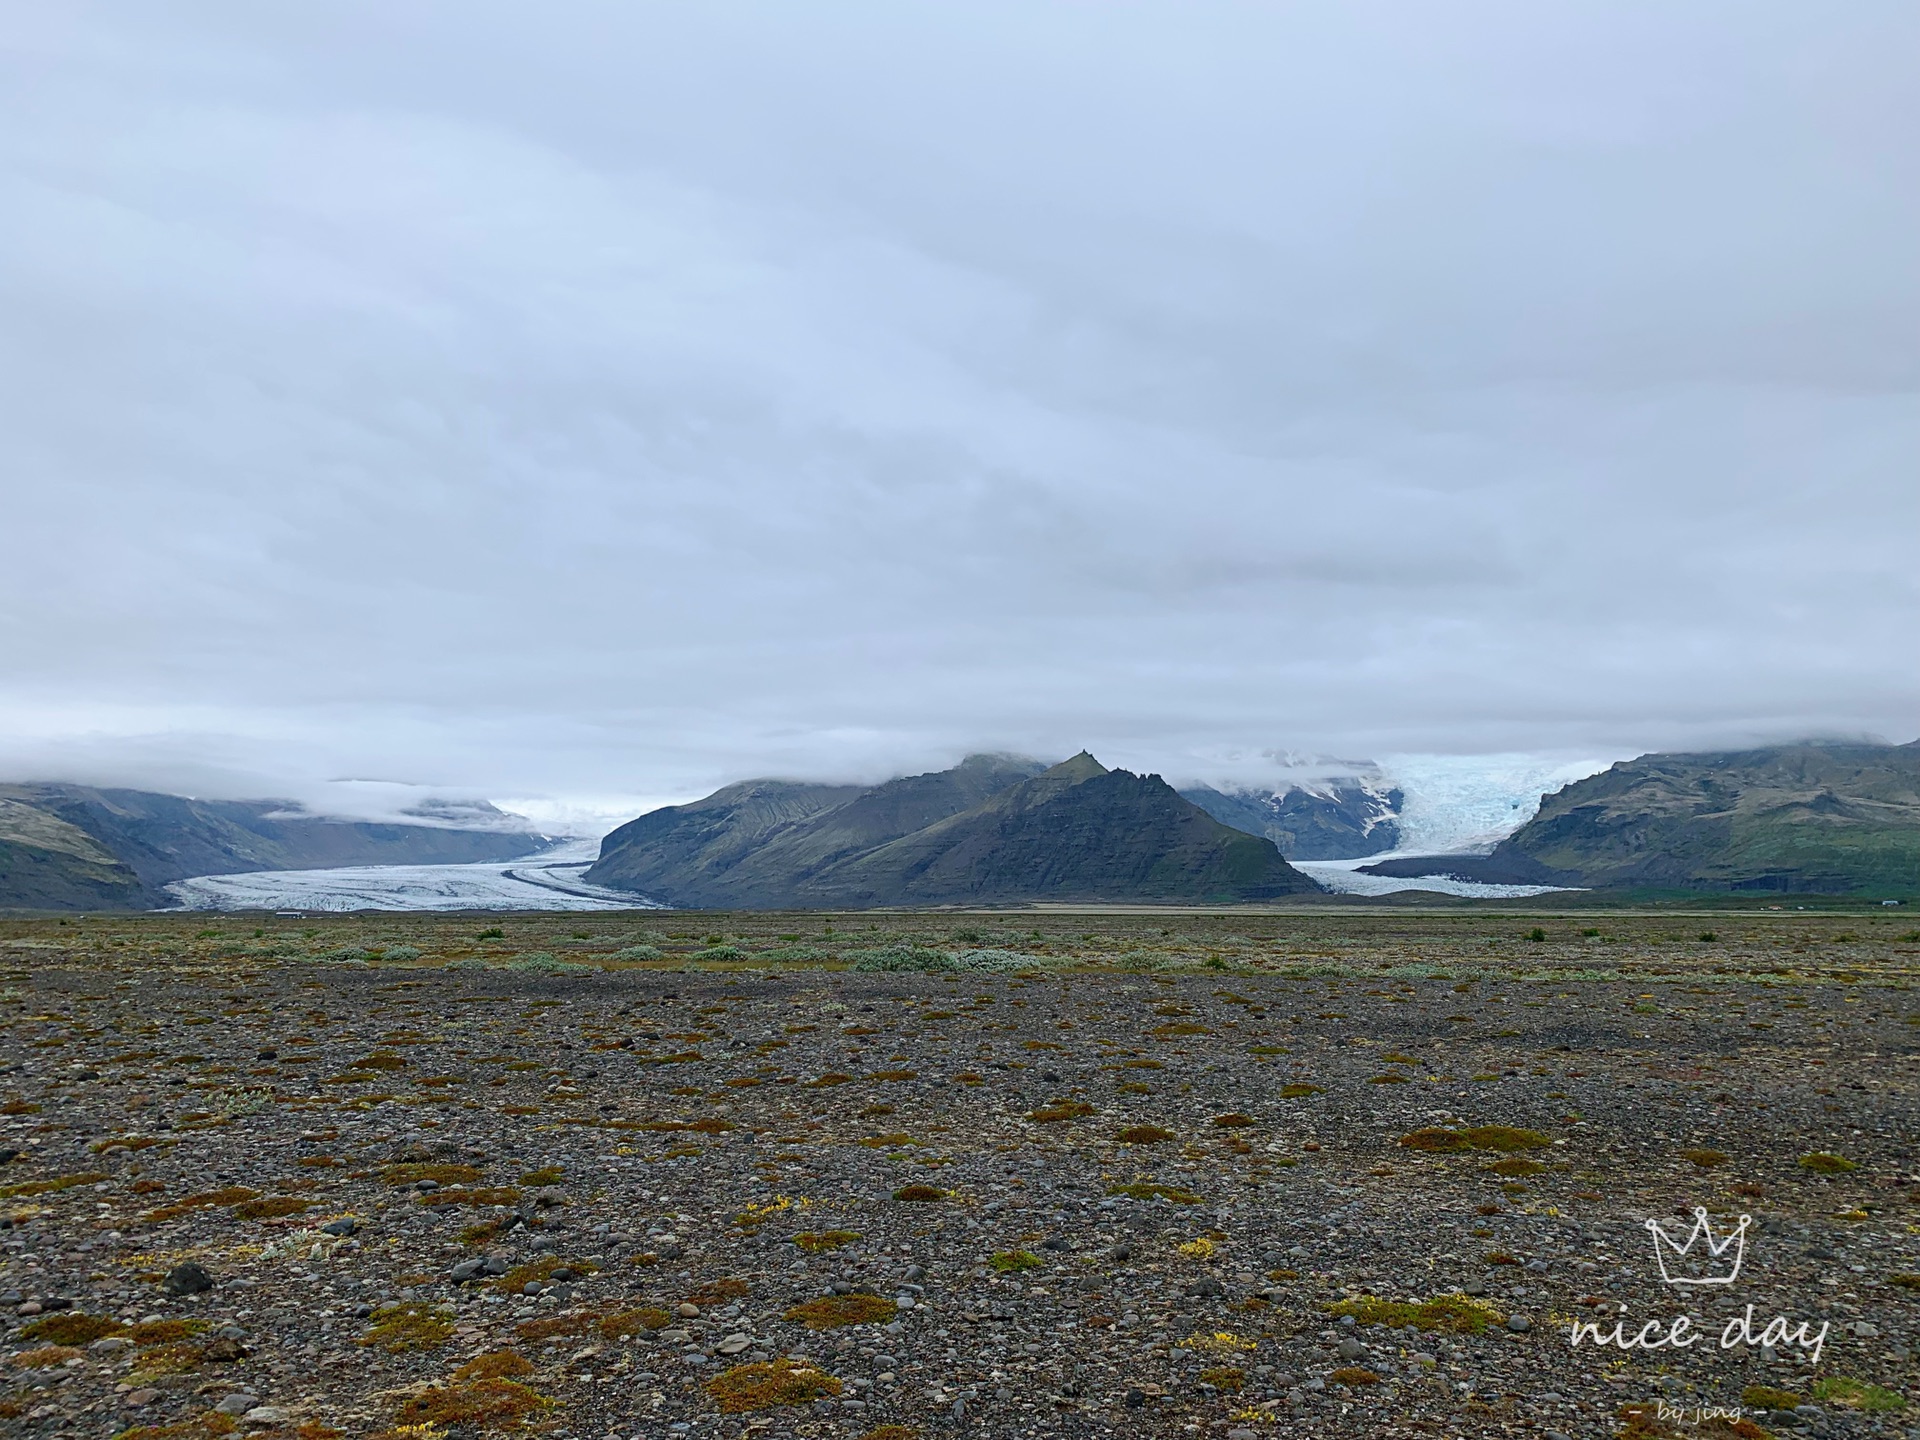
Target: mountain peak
{"x": 1075, "y": 769}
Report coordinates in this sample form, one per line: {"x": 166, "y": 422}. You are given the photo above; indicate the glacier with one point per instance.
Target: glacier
{"x": 549, "y": 880}
{"x": 1341, "y": 877}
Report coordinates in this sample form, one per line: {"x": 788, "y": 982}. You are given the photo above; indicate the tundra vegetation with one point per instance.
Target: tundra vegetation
{"x": 440, "y": 1176}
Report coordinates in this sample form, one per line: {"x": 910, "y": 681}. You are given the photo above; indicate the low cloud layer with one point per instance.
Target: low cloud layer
{"x": 597, "y": 403}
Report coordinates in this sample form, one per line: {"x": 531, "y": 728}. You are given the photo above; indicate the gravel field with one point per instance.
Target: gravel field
{"x": 1056, "y": 1174}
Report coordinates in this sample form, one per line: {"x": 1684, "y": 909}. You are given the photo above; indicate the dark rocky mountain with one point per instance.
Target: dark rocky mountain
{"x": 1810, "y": 818}
{"x": 992, "y": 830}
{"x": 1337, "y": 820}
{"x": 78, "y": 847}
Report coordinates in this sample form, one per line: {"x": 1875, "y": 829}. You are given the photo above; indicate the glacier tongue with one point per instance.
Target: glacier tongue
{"x": 547, "y": 881}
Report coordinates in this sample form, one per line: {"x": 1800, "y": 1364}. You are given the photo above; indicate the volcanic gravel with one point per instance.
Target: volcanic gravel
{"x": 1119, "y": 1182}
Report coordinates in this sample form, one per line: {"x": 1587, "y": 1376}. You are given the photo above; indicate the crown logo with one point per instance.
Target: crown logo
{"x": 1679, "y": 1265}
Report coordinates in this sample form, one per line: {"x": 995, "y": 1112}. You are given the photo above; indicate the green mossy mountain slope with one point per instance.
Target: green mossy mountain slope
{"x": 1813, "y": 818}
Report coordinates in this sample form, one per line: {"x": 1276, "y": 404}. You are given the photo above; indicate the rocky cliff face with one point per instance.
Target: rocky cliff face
{"x": 1815, "y": 818}
{"x": 78, "y": 847}
{"x": 992, "y": 830}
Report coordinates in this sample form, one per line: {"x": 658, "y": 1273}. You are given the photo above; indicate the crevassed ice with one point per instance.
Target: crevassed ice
{"x": 549, "y": 880}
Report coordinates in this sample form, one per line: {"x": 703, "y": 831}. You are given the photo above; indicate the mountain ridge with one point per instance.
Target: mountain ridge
{"x": 1011, "y": 830}
{"x": 81, "y": 847}
{"x": 1818, "y": 817}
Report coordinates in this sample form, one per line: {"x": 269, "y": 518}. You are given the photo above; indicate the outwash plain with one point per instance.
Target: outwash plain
{"x": 886, "y": 1176}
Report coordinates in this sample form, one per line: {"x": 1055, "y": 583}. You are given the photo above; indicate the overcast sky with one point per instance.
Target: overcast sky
{"x": 588, "y": 400}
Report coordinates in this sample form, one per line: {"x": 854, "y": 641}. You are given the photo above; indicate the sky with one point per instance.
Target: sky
{"x": 587, "y": 404}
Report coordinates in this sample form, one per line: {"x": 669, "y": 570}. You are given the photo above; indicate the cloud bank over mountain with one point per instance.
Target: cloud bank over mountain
{"x": 600, "y": 404}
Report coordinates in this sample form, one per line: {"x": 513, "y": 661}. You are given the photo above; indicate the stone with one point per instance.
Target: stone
{"x": 1519, "y": 1324}
{"x": 188, "y": 1278}
{"x": 237, "y": 1404}
{"x": 134, "y": 1399}
{"x": 1350, "y": 1348}
{"x": 345, "y": 1225}
{"x": 265, "y": 1415}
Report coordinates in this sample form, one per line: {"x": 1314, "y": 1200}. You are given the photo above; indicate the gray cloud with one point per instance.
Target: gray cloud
{"x": 613, "y": 400}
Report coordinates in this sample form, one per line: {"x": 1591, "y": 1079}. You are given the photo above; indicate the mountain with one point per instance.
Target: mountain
{"x": 1335, "y": 819}
{"x": 992, "y": 830}
{"x": 1811, "y": 818}
{"x": 77, "y": 847}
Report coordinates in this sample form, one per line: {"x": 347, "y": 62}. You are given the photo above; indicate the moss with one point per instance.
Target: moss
{"x": 230, "y": 1195}
{"x": 1230, "y": 1378}
{"x": 1354, "y": 1375}
{"x": 379, "y": 1060}
{"x": 412, "y": 1174}
{"x": 1765, "y": 1397}
{"x": 1458, "y": 1314}
{"x": 491, "y": 1404}
{"x": 209, "y": 1425}
{"x": 1059, "y": 1112}
{"x": 1299, "y": 1090}
{"x": 1233, "y": 1120}
{"x": 409, "y": 1327}
{"x": 1515, "y": 1166}
{"x": 1825, "y": 1162}
{"x": 1172, "y": 1194}
{"x": 1705, "y": 1159}
{"x": 832, "y": 1311}
{"x": 72, "y": 1328}
{"x": 1012, "y": 1260}
{"x": 1643, "y": 1422}
{"x": 1436, "y": 1138}
{"x": 1857, "y": 1394}
{"x": 892, "y": 1432}
{"x": 627, "y": 1323}
{"x": 821, "y": 1082}
{"x": 46, "y": 1357}
{"x": 1390, "y": 1078}
{"x": 919, "y": 1194}
{"x": 271, "y": 1208}
{"x": 1502, "y": 1138}
{"x": 175, "y": 1357}
{"x": 547, "y": 1175}
{"x": 719, "y": 1292}
{"x": 1146, "y": 1135}
{"x": 816, "y": 1242}
{"x": 886, "y": 1142}
{"x": 1905, "y": 1282}
{"x": 761, "y": 1386}
{"x": 163, "y": 1332}
{"x": 1505, "y": 1138}
{"x": 496, "y": 1365}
